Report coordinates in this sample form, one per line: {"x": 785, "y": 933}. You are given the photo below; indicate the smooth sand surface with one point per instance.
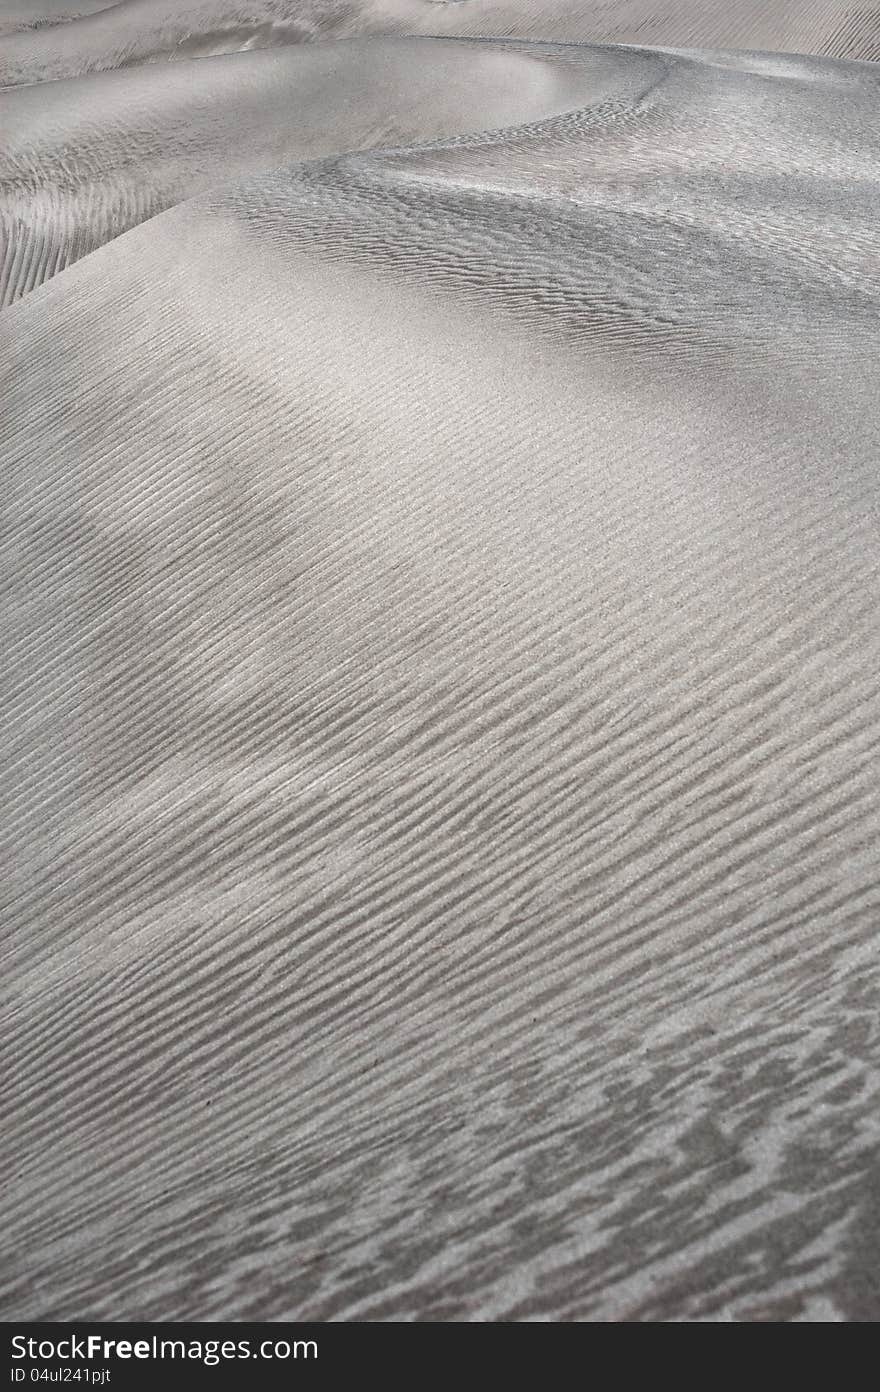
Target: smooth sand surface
{"x": 441, "y": 632}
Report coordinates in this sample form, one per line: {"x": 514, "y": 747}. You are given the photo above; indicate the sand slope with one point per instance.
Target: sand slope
{"x": 143, "y": 31}
{"x": 441, "y": 711}
{"x": 81, "y": 161}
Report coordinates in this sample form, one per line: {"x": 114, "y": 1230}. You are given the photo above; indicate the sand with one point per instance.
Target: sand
{"x": 139, "y": 31}
{"x": 441, "y": 712}
{"x": 84, "y": 160}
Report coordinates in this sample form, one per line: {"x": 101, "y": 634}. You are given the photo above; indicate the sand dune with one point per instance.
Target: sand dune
{"x": 143, "y": 31}
{"x": 441, "y": 712}
{"x": 82, "y": 161}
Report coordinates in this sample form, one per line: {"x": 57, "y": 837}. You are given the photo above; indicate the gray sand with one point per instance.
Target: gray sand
{"x": 442, "y": 628}
{"x": 83, "y": 160}
{"x": 144, "y": 31}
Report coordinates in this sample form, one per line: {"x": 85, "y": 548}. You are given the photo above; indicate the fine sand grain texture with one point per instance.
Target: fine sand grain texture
{"x": 441, "y": 632}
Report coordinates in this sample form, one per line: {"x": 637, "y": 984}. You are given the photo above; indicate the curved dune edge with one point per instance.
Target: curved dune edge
{"x": 82, "y": 161}
{"x": 442, "y": 726}
{"x": 144, "y": 31}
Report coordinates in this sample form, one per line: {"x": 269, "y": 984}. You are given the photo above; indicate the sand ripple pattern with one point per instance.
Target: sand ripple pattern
{"x": 441, "y": 706}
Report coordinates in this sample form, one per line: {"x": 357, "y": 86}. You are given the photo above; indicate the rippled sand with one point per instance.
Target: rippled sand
{"x": 441, "y": 709}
